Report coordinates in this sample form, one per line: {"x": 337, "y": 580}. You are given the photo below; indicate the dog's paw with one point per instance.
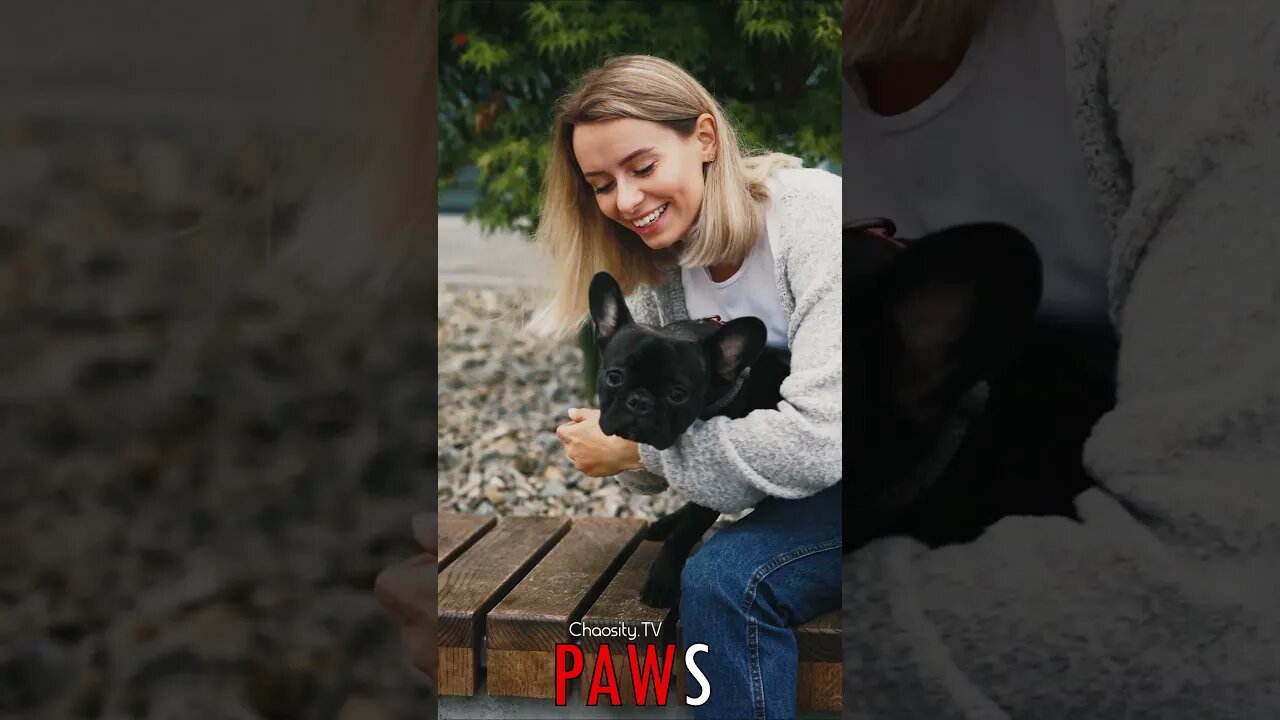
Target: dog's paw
{"x": 661, "y": 591}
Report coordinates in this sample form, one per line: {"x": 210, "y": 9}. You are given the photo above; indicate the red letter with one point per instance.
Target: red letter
{"x": 640, "y": 679}
{"x": 566, "y": 651}
{"x": 608, "y": 684}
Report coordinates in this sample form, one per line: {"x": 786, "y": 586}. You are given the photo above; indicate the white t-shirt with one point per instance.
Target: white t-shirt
{"x": 994, "y": 143}
{"x": 753, "y": 290}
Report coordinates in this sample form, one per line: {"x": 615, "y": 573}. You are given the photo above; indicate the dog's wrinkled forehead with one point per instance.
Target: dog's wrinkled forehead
{"x": 677, "y": 333}
{"x": 643, "y": 346}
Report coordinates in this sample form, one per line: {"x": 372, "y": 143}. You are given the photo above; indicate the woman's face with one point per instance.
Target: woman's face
{"x": 645, "y": 176}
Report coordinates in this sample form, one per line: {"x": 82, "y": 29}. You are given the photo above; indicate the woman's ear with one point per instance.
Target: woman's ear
{"x": 707, "y": 135}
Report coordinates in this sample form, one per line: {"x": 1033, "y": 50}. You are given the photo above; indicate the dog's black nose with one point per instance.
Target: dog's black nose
{"x": 640, "y": 403}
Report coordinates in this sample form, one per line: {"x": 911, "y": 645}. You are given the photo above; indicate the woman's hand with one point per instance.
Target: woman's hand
{"x": 407, "y": 591}
{"x": 591, "y": 451}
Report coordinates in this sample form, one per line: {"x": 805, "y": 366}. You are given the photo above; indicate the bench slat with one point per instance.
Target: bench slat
{"x": 818, "y": 679}
{"x": 818, "y": 686}
{"x": 524, "y": 628}
{"x": 515, "y": 580}
{"x": 456, "y": 533}
{"x": 819, "y": 639}
{"x": 619, "y": 606}
{"x": 476, "y": 581}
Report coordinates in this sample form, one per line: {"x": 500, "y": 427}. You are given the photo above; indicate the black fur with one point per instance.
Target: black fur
{"x": 654, "y": 382}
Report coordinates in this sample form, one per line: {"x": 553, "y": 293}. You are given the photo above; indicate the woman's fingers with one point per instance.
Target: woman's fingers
{"x": 576, "y": 416}
{"x": 565, "y": 432}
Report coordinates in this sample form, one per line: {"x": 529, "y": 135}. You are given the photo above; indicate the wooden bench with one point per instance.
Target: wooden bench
{"x": 511, "y": 588}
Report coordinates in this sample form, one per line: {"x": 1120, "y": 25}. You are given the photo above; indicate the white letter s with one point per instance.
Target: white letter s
{"x": 697, "y": 674}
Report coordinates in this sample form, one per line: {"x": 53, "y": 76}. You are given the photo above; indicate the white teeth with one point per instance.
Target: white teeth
{"x": 647, "y": 219}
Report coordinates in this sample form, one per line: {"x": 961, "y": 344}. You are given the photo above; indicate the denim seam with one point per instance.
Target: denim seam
{"x": 757, "y": 676}
{"x": 749, "y": 599}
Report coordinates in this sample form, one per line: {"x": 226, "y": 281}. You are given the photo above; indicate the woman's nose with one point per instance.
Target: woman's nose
{"x": 629, "y": 198}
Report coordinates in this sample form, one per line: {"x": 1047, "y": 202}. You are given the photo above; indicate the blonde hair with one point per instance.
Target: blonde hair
{"x": 581, "y": 241}
{"x": 871, "y": 29}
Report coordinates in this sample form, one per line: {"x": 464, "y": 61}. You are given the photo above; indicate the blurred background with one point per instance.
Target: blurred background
{"x": 217, "y": 401}
{"x": 775, "y": 69}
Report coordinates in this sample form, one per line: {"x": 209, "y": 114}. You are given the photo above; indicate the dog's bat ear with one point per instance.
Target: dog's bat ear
{"x": 948, "y": 313}
{"x": 735, "y": 345}
{"x": 608, "y": 308}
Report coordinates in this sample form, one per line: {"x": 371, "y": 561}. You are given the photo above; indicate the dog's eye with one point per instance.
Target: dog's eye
{"x": 613, "y": 378}
{"x": 677, "y": 394}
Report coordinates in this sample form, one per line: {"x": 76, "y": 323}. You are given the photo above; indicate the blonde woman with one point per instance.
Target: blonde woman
{"x": 647, "y": 181}
{"x": 1136, "y": 143}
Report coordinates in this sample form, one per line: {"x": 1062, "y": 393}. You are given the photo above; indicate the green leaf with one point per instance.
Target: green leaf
{"x": 484, "y": 56}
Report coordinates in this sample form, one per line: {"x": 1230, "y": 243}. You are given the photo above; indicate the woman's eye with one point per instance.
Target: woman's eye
{"x": 677, "y": 394}
{"x": 613, "y": 378}
{"x": 642, "y": 172}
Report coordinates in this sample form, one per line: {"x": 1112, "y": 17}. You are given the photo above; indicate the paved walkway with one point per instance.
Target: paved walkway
{"x": 467, "y": 256}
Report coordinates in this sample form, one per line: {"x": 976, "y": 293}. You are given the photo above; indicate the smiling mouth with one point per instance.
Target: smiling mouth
{"x": 651, "y": 217}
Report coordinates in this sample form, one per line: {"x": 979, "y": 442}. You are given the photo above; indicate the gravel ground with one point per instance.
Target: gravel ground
{"x": 502, "y": 394}
{"x": 206, "y": 461}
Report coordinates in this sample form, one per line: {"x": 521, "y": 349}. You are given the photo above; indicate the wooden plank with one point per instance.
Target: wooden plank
{"x": 818, "y": 677}
{"x": 804, "y": 686}
{"x": 620, "y": 613}
{"x": 458, "y": 670}
{"x": 822, "y": 683}
{"x": 617, "y": 607}
{"x": 475, "y": 582}
{"x": 523, "y": 629}
{"x": 457, "y": 532}
{"x": 819, "y": 639}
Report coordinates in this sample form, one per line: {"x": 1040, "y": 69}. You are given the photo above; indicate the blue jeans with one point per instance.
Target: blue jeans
{"x": 744, "y": 590}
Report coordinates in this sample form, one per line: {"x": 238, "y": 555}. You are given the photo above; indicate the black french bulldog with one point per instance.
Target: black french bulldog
{"x": 655, "y": 381}
{"x": 963, "y": 406}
